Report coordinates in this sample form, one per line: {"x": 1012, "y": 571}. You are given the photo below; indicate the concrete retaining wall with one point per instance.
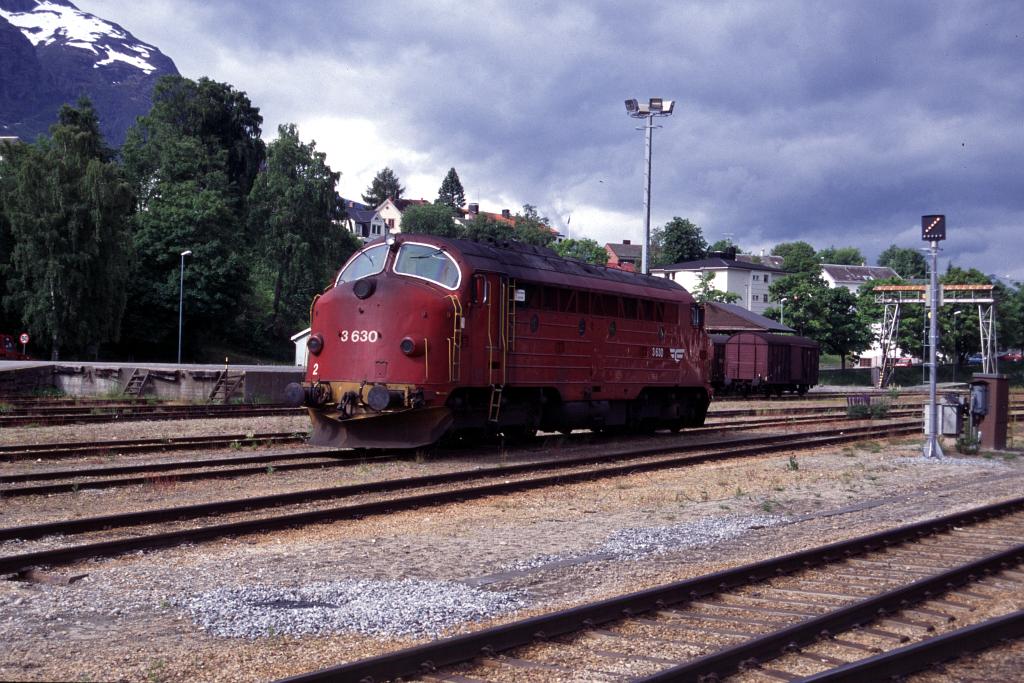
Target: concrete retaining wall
{"x": 260, "y": 385}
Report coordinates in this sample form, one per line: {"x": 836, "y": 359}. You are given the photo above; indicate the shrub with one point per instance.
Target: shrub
{"x": 858, "y": 411}
{"x": 879, "y": 409}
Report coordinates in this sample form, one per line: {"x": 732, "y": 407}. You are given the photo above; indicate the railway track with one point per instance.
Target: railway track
{"x": 50, "y": 412}
{"x": 107, "y": 476}
{"x": 118, "y": 412}
{"x": 321, "y": 505}
{"x": 19, "y": 452}
{"x": 867, "y": 608}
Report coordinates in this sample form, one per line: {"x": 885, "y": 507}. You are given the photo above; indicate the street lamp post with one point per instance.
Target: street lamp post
{"x": 782, "y": 310}
{"x": 655, "y": 107}
{"x": 181, "y": 300}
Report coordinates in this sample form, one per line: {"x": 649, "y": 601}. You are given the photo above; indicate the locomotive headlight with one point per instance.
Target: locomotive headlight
{"x": 409, "y": 347}
{"x": 315, "y": 344}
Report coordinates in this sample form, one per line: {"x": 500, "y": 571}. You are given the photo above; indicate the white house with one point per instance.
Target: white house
{"x": 391, "y": 212}
{"x": 362, "y": 221}
{"x": 852, "y": 277}
{"x": 749, "y": 281}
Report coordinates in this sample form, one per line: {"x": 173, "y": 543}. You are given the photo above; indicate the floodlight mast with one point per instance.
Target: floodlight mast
{"x": 656, "y": 106}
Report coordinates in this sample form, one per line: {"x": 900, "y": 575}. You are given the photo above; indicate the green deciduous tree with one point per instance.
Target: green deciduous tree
{"x": 959, "y": 334}
{"x": 430, "y": 219}
{"x": 192, "y": 161}
{"x": 584, "y": 249}
{"x": 908, "y": 263}
{"x": 484, "y": 228}
{"x": 705, "y": 290}
{"x": 724, "y": 245}
{"x": 678, "y": 241}
{"x": 845, "y": 256}
{"x": 830, "y": 316}
{"x": 798, "y": 257}
{"x": 295, "y": 247}
{"x": 384, "y": 186}
{"x": 67, "y": 206}
{"x": 532, "y": 228}
{"x": 451, "y": 192}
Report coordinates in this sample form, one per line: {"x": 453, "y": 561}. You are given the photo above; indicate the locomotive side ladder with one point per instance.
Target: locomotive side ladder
{"x": 506, "y": 324}
{"x": 455, "y": 341}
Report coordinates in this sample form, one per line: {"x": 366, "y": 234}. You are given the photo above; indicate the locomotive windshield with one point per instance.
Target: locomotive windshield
{"x": 429, "y": 263}
{"x": 367, "y": 262}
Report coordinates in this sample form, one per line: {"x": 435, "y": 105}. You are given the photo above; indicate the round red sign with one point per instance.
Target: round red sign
{"x": 23, "y": 338}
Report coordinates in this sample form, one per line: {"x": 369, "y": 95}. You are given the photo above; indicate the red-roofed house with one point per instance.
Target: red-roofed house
{"x": 623, "y": 255}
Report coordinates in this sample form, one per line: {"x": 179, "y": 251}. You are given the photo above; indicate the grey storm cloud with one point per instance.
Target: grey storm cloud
{"x": 836, "y": 123}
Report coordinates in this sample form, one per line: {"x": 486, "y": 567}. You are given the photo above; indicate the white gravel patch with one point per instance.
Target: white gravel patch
{"x": 972, "y": 461}
{"x": 376, "y": 608}
{"x": 639, "y": 542}
{"x": 632, "y": 544}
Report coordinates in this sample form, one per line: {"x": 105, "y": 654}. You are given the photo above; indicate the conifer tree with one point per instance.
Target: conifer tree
{"x": 451, "y": 192}
{"x": 385, "y": 185}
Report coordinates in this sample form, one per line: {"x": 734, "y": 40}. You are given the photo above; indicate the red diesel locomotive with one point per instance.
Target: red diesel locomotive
{"x": 422, "y": 336}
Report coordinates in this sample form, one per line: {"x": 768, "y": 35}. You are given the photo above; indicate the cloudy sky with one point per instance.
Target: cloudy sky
{"x": 838, "y": 123}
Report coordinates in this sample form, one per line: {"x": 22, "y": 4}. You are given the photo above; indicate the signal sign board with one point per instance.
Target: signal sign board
{"x": 933, "y": 228}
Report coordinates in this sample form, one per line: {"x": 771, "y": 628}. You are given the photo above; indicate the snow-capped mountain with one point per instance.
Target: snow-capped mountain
{"x": 51, "y": 53}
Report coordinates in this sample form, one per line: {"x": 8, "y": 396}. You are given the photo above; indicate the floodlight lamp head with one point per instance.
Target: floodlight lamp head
{"x": 632, "y": 107}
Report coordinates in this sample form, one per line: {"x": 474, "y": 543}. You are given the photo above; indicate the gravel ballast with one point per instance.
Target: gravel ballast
{"x": 264, "y": 606}
{"x": 376, "y": 608}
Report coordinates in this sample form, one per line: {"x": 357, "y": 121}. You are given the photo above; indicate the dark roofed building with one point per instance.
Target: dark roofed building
{"x": 763, "y": 259}
{"x": 624, "y": 253}
{"x": 721, "y": 318}
{"x": 361, "y": 220}
{"x": 852, "y": 277}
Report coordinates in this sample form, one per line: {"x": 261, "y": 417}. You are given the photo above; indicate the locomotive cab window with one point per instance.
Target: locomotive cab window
{"x": 429, "y": 263}
{"x": 367, "y": 262}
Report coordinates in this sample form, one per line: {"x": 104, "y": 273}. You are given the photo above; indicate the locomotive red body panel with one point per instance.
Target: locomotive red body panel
{"x": 427, "y": 335}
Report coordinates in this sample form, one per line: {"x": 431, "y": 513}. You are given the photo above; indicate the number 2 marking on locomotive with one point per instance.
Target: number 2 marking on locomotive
{"x": 316, "y": 368}
{"x": 370, "y": 336}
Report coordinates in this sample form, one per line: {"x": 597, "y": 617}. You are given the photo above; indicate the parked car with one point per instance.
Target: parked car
{"x": 974, "y": 359}
{"x": 1010, "y": 356}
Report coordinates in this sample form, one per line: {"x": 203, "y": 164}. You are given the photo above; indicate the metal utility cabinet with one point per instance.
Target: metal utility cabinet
{"x": 990, "y": 398}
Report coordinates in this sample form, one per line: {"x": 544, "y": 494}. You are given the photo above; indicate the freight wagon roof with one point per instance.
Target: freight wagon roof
{"x": 530, "y": 263}
{"x": 784, "y": 339}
